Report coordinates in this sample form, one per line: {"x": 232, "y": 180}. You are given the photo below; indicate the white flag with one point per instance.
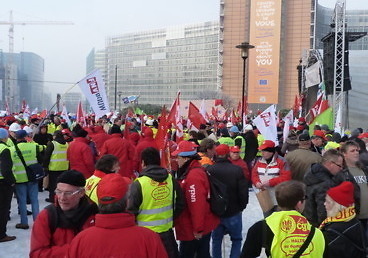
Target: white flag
{"x": 312, "y": 75}
{"x": 93, "y": 88}
{"x": 64, "y": 114}
{"x": 288, "y": 119}
{"x": 338, "y": 122}
{"x": 202, "y": 110}
{"x": 266, "y": 124}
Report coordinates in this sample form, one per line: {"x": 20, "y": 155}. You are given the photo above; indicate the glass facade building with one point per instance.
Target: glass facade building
{"x": 157, "y": 64}
{"x": 24, "y": 81}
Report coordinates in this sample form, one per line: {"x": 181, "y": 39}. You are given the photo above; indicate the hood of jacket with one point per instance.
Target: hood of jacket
{"x": 317, "y": 174}
{"x": 155, "y": 172}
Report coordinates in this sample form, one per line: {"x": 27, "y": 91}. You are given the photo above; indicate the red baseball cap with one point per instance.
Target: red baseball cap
{"x": 234, "y": 149}
{"x": 267, "y": 144}
{"x": 320, "y": 133}
{"x": 222, "y": 149}
{"x": 363, "y": 135}
{"x": 112, "y": 188}
{"x": 185, "y": 148}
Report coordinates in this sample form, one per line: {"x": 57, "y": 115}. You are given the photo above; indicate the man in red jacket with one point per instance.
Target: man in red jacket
{"x": 121, "y": 148}
{"x": 145, "y": 142}
{"x": 59, "y": 223}
{"x": 115, "y": 233}
{"x": 194, "y": 225}
{"x": 80, "y": 154}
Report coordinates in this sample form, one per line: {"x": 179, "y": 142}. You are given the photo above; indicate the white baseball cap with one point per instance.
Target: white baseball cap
{"x": 14, "y": 127}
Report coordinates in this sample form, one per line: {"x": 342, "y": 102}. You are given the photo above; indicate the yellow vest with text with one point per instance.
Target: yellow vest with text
{"x": 91, "y": 188}
{"x": 242, "y": 148}
{"x": 29, "y": 152}
{"x": 58, "y": 160}
{"x": 290, "y": 230}
{"x": 156, "y": 209}
{"x": 2, "y": 147}
{"x": 226, "y": 140}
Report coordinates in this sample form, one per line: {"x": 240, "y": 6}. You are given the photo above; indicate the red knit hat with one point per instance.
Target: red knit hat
{"x": 363, "y": 135}
{"x": 112, "y": 188}
{"x": 343, "y": 194}
{"x": 222, "y": 149}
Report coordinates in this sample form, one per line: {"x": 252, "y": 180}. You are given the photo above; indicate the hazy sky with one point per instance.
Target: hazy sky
{"x": 65, "y": 47}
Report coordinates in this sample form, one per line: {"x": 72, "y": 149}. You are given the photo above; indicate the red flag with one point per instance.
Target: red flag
{"x": 24, "y": 105}
{"x": 239, "y": 109}
{"x": 43, "y": 114}
{"x": 219, "y": 102}
{"x": 162, "y": 138}
{"x": 314, "y": 111}
{"x": 214, "y": 112}
{"x": 80, "y": 114}
{"x": 296, "y": 106}
{"x": 175, "y": 118}
{"x": 195, "y": 116}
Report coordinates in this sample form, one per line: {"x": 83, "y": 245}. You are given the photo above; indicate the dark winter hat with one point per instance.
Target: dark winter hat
{"x": 343, "y": 194}
{"x": 72, "y": 177}
{"x": 20, "y": 134}
{"x": 304, "y": 137}
{"x": 115, "y": 129}
{"x": 78, "y": 131}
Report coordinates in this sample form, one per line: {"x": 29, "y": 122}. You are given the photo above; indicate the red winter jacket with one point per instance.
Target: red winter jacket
{"x": 123, "y": 150}
{"x": 43, "y": 244}
{"x": 99, "y": 139}
{"x": 197, "y": 216}
{"x": 241, "y": 163}
{"x": 277, "y": 171}
{"x": 80, "y": 156}
{"x": 145, "y": 142}
{"x": 116, "y": 235}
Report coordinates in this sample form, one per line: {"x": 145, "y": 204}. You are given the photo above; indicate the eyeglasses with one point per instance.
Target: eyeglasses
{"x": 67, "y": 193}
{"x": 340, "y": 166}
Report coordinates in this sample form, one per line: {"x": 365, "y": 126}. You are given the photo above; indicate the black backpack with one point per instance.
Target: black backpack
{"x": 218, "y": 195}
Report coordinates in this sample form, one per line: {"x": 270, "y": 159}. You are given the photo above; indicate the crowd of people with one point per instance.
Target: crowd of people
{"x": 110, "y": 191}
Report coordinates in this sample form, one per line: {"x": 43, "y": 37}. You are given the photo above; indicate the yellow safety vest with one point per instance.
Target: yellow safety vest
{"x": 9, "y": 142}
{"x": 290, "y": 230}
{"x": 226, "y": 140}
{"x": 2, "y": 147}
{"x": 58, "y": 160}
{"x": 156, "y": 209}
{"x": 242, "y": 148}
{"x": 260, "y": 139}
{"x": 91, "y": 188}
{"x": 29, "y": 153}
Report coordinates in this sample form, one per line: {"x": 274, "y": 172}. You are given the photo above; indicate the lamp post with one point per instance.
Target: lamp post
{"x": 244, "y": 47}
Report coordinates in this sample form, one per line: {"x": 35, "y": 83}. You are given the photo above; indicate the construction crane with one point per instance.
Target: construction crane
{"x": 11, "y": 24}
{"x": 11, "y": 87}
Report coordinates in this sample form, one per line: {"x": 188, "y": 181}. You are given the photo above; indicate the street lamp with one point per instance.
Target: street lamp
{"x": 244, "y": 47}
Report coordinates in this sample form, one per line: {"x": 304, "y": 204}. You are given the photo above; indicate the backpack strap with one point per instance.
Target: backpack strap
{"x": 306, "y": 243}
{"x": 53, "y": 217}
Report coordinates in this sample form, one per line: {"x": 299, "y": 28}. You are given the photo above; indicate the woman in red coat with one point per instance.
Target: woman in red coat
{"x": 80, "y": 154}
{"x": 194, "y": 225}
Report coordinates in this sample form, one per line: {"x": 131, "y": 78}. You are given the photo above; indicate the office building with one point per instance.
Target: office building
{"x": 156, "y": 64}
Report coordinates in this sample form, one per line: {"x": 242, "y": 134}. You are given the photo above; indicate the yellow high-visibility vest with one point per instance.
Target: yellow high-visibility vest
{"x": 2, "y": 147}
{"x": 29, "y": 153}
{"x": 58, "y": 160}
{"x": 290, "y": 230}
{"x": 156, "y": 209}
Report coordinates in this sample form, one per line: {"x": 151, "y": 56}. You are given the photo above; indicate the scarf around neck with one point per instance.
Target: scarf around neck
{"x": 342, "y": 216}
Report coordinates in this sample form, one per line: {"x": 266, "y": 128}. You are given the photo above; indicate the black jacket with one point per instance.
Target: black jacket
{"x": 251, "y": 146}
{"x": 157, "y": 174}
{"x": 318, "y": 180}
{"x": 6, "y": 166}
{"x": 345, "y": 239}
{"x": 237, "y": 185}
